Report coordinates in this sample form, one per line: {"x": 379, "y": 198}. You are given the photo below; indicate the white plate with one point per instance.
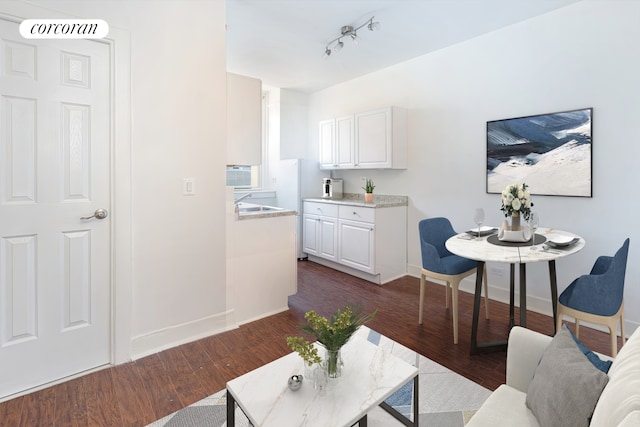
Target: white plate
{"x": 484, "y": 230}
{"x": 561, "y": 240}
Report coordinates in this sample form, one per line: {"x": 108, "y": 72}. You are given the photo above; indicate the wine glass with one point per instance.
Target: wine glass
{"x": 478, "y": 218}
{"x": 534, "y": 222}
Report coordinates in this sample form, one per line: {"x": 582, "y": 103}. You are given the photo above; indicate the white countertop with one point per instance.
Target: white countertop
{"x": 357, "y": 199}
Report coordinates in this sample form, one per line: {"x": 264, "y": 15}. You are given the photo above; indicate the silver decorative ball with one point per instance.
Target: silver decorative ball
{"x": 295, "y": 382}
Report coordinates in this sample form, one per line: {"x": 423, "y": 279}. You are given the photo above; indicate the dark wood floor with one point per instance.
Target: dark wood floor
{"x": 137, "y": 393}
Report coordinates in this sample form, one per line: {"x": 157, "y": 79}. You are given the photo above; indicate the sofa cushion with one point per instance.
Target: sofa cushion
{"x": 505, "y": 407}
{"x": 621, "y": 397}
{"x": 566, "y": 385}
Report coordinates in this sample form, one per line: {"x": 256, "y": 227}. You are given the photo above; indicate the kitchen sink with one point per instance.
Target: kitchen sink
{"x": 249, "y": 208}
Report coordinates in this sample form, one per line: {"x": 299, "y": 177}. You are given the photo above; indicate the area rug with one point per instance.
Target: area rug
{"x": 446, "y": 398}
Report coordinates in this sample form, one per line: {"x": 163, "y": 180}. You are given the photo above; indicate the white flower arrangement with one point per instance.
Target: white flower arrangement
{"x": 516, "y": 200}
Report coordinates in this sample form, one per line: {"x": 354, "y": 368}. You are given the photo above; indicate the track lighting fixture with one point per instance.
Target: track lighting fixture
{"x": 349, "y": 31}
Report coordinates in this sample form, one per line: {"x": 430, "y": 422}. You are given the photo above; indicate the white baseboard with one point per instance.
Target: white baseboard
{"x": 163, "y": 339}
{"x": 154, "y": 342}
{"x": 262, "y": 316}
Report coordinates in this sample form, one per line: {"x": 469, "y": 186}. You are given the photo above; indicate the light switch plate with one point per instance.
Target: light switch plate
{"x": 189, "y": 186}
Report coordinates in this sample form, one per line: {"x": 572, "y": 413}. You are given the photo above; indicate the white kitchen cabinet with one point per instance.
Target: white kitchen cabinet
{"x": 374, "y": 139}
{"x": 369, "y": 242}
{"x": 244, "y": 120}
{"x": 320, "y": 230}
{"x": 381, "y": 139}
{"x": 336, "y": 140}
{"x": 344, "y": 145}
{"x": 327, "y": 138}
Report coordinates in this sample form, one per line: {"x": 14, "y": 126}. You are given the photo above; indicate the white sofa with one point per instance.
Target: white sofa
{"x": 618, "y": 405}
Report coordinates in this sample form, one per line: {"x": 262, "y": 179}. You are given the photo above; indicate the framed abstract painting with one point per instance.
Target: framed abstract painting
{"x": 551, "y": 153}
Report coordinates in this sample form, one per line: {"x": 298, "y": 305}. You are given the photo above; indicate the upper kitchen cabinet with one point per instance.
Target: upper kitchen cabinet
{"x": 337, "y": 143}
{"x": 327, "y": 139}
{"x": 381, "y": 139}
{"x": 370, "y": 140}
{"x": 244, "y": 120}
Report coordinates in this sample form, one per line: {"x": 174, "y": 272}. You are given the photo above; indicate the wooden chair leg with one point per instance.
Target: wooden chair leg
{"x": 422, "y": 280}
{"x": 622, "y": 335}
{"x": 559, "y": 319}
{"x": 454, "y": 296}
{"x": 447, "y": 292}
{"x": 613, "y": 334}
{"x": 577, "y": 328}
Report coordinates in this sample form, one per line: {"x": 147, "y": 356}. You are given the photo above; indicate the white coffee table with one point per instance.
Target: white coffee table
{"x": 369, "y": 376}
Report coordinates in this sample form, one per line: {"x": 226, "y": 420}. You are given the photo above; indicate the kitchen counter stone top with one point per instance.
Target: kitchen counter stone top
{"x": 268, "y": 214}
{"x": 357, "y": 199}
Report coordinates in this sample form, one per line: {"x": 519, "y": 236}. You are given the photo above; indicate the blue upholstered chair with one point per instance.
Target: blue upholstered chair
{"x": 597, "y": 297}
{"x": 440, "y": 264}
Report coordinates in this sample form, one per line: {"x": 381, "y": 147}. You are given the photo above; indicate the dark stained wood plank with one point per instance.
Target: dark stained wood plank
{"x": 132, "y": 396}
{"x": 38, "y": 408}
{"x": 160, "y": 389}
{"x": 209, "y": 376}
{"x": 70, "y": 408}
{"x": 185, "y": 381}
{"x": 11, "y": 412}
{"x": 102, "y": 405}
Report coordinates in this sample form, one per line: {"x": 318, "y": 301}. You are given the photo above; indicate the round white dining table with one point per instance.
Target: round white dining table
{"x": 490, "y": 249}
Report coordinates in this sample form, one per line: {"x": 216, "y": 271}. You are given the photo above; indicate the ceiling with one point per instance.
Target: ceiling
{"x": 282, "y": 42}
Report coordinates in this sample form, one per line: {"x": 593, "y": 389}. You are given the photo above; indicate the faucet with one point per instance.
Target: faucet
{"x": 237, "y": 201}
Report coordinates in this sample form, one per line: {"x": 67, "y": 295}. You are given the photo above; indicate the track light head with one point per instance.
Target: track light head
{"x": 346, "y": 30}
{"x": 373, "y": 26}
{"x": 327, "y": 51}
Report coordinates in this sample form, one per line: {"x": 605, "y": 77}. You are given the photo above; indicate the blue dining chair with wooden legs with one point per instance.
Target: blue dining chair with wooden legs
{"x": 440, "y": 264}
{"x": 597, "y": 297}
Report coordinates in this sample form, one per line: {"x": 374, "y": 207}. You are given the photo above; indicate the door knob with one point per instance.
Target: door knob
{"x": 98, "y": 214}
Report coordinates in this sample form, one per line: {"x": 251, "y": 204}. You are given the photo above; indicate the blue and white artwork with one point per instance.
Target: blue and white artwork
{"x": 551, "y": 153}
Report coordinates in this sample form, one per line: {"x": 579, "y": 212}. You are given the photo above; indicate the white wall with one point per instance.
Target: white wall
{"x": 293, "y": 124}
{"x": 178, "y": 97}
{"x": 583, "y": 55}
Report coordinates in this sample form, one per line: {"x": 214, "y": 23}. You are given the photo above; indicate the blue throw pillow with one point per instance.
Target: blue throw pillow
{"x": 603, "y": 365}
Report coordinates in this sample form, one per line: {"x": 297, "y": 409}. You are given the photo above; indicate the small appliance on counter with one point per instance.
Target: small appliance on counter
{"x": 331, "y": 188}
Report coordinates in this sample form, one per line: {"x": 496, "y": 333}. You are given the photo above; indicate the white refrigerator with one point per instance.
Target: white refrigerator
{"x": 294, "y": 179}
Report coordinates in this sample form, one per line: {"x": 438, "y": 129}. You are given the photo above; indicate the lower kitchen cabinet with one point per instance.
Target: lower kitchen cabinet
{"x": 357, "y": 245}
{"x": 320, "y": 230}
{"x": 368, "y": 242}
{"x": 320, "y": 236}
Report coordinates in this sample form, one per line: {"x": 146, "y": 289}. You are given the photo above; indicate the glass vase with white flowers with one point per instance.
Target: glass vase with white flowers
{"x": 516, "y": 202}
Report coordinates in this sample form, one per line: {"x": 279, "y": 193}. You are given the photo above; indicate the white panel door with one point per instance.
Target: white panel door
{"x": 328, "y": 238}
{"x": 326, "y": 142}
{"x": 311, "y": 240}
{"x": 373, "y": 139}
{"x": 357, "y": 245}
{"x": 54, "y": 169}
{"x": 344, "y": 142}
